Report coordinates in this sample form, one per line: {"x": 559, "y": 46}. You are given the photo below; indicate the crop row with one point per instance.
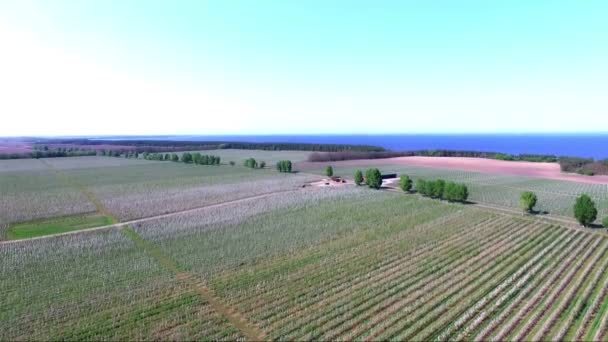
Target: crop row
{"x": 501, "y": 277}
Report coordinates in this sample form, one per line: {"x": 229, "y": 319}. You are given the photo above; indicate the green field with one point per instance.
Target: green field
{"x": 271, "y": 260}
{"x": 55, "y": 226}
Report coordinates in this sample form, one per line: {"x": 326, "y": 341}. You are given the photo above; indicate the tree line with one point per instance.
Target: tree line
{"x": 440, "y": 189}
{"x": 48, "y": 154}
{"x": 181, "y": 145}
{"x": 354, "y": 155}
{"x": 186, "y": 157}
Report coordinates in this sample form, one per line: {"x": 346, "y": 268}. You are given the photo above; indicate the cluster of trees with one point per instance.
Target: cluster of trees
{"x": 440, "y": 189}
{"x": 187, "y": 157}
{"x": 284, "y": 166}
{"x": 584, "y": 166}
{"x": 199, "y": 159}
{"x": 373, "y": 178}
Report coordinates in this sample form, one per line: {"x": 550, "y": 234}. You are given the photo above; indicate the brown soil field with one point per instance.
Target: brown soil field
{"x": 490, "y": 166}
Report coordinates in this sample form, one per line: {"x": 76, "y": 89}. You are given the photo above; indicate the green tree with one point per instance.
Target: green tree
{"x": 186, "y": 157}
{"x": 373, "y": 178}
{"x": 329, "y": 171}
{"x": 405, "y": 183}
{"x": 462, "y": 192}
{"x": 196, "y": 158}
{"x": 585, "y": 210}
{"x": 167, "y": 157}
{"x": 527, "y": 201}
{"x": 174, "y": 157}
{"x": 262, "y": 164}
{"x": 422, "y": 187}
{"x": 358, "y": 177}
{"x": 437, "y": 188}
{"x": 251, "y": 162}
{"x": 605, "y": 222}
{"x": 450, "y": 192}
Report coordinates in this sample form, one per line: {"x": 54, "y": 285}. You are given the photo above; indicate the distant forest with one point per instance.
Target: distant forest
{"x": 50, "y": 148}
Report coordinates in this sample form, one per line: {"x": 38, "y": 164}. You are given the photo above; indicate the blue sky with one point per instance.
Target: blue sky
{"x": 289, "y": 67}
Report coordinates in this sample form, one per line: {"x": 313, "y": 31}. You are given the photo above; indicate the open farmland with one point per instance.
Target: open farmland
{"x": 554, "y": 196}
{"x": 256, "y": 256}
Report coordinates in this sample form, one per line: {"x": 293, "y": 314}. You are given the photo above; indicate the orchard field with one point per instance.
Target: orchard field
{"x": 554, "y": 196}
{"x": 250, "y": 254}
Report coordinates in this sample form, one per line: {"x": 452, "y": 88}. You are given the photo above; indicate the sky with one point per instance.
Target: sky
{"x": 127, "y": 67}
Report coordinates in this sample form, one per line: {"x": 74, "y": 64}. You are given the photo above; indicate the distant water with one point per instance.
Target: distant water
{"x": 577, "y": 145}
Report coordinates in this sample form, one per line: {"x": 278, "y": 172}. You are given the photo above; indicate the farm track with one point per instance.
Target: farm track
{"x": 251, "y": 332}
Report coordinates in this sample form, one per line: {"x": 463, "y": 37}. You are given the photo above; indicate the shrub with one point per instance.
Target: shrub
{"x": 358, "y": 177}
{"x": 585, "y": 211}
{"x": 405, "y": 183}
{"x": 373, "y": 178}
{"x": 527, "y": 201}
{"x": 262, "y": 164}
{"x": 329, "y": 171}
{"x": 232, "y": 163}
{"x": 174, "y": 157}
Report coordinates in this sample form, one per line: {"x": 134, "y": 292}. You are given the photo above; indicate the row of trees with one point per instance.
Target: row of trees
{"x": 284, "y": 166}
{"x": 187, "y": 157}
{"x": 585, "y": 210}
{"x": 372, "y": 154}
{"x": 440, "y": 189}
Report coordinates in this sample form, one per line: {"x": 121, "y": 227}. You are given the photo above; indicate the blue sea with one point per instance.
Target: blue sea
{"x": 576, "y": 145}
